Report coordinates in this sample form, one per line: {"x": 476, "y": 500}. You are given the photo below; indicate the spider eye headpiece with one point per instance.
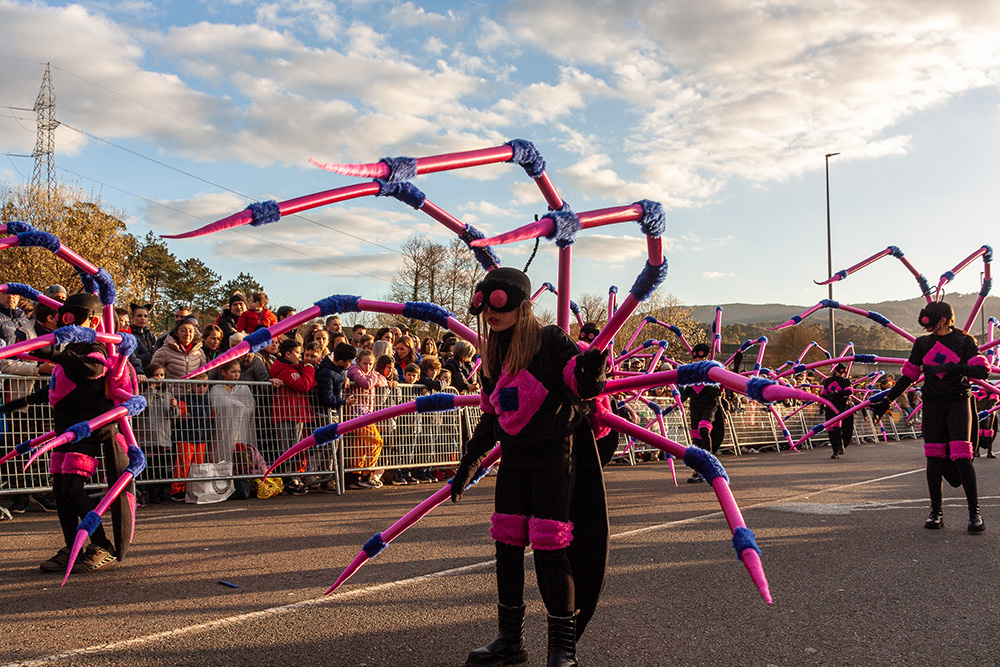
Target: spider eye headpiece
{"x": 503, "y": 290}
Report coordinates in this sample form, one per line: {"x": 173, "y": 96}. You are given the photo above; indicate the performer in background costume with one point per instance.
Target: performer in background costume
{"x": 708, "y": 421}
{"x": 550, "y": 489}
{"x": 78, "y": 393}
{"x": 837, "y": 389}
{"x": 948, "y": 357}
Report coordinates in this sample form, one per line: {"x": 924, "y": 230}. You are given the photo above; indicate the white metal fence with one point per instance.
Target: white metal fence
{"x": 251, "y": 424}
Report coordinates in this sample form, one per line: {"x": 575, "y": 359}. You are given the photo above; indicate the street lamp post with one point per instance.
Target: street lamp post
{"x": 829, "y": 254}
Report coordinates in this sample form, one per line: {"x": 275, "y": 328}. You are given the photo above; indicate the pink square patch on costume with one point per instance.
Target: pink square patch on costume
{"x": 937, "y": 355}
{"x": 516, "y": 399}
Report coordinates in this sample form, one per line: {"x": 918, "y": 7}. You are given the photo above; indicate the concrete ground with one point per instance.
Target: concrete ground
{"x": 856, "y": 579}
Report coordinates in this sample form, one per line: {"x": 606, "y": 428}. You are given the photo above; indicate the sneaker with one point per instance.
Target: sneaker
{"x": 695, "y": 478}
{"x": 398, "y": 479}
{"x": 409, "y": 478}
{"x": 295, "y": 487}
{"x": 178, "y": 497}
{"x": 19, "y": 504}
{"x": 327, "y": 487}
{"x": 373, "y": 481}
{"x": 57, "y": 563}
{"x": 5, "y": 514}
{"x": 44, "y": 501}
{"x": 93, "y": 558}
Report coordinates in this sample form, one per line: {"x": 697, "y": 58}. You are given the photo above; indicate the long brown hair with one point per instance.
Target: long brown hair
{"x": 525, "y": 344}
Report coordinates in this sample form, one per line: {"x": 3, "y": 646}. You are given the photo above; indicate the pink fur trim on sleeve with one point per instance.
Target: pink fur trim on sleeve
{"x": 549, "y": 534}
{"x": 934, "y": 449}
{"x": 569, "y": 375}
{"x": 509, "y": 529}
{"x": 910, "y": 371}
{"x": 960, "y": 449}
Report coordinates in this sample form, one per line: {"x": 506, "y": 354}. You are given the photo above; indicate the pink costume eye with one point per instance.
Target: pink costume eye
{"x": 498, "y": 299}
{"x": 477, "y": 299}
{"x": 68, "y": 318}
{"x": 925, "y": 320}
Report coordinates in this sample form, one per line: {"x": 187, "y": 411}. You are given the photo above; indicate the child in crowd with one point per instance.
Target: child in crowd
{"x": 257, "y": 316}
{"x": 233, "y": 406}
{"x": 193, "y": 430}
{"x": 444, "y": 378}
{"x": 292, "y": 408}
{"x": 366, "y": 445}
{"x": 152, "y": 430}
{"x": 411, "y": 374}
{"x": 430, "y": 367}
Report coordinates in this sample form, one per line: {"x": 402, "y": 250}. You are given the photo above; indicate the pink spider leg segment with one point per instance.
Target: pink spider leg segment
{"x": 848, "y": 351}
{"x": 649, "y": 319}
{"x": 27, "y": 446}
{"x": 69, "y": 436}
{"x": 925, "y": 288}
{"x": 538, "y": 292}
{"x": 836, "y": 419}
{"x": 670, "y": 457}
{"x": 424, "y": 165}
{"x": 760, "y": 355}
{"x": 984, "y": 290}
{"x": 795, "y": 319}
{"x": 329, "y": 433}
{"x": 716, "y": 333}
{"x": 136, "y": 464}
{"x": 747, "y": 551}
{"x": 37, "y": 296}
{"x": 266, "y": 212}
{"x": 861, "y": 358}
{"x": 784, "y": 429}
{"x": 58, "y": 337}
{"x": 948, "y": 276}
{"x": 840, "y": 275}
{"x": 380, "y": 541}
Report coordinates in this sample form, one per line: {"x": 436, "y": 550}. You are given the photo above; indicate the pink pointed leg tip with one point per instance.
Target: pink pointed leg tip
{"x": 751, "y": 560}
{"x": 81, "y": 537}
{"x": 349, "y": 571}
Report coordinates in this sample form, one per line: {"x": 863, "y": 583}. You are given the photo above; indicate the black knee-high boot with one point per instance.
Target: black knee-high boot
{"x": 72, "y": 504}
{"x": 508, "y": 647}
{"x": 935, "y": 467}
{"x": 562, "y": 641}
{"x": 967, "y": 473}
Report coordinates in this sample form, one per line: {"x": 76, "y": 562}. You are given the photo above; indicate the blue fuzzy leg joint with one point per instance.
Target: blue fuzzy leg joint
{"x": 575, "y": 309}
{"x": 23, "y": 447}
{"x": 400, "y": 168}
{"x": 136, "y": 461}
{"x": 829, "y": 303}
{"x": 105, "y": 286}
{"x": 652, "y": 223}
{"x": 74, "y": 334}
{"x": 325, "y": 434}
{"x": 756, "y": 387}
{"x": 925, "y": 287}
{"x": 81, "y": 430}
{"x": 37, "y": 239}
{"x": 258, "y": 340}
{"x": 338, "y": 303}
{"x": 815, "y": 430}
{"x": 950, "y": 275}
{"x": 878, "y": 318}
{"x": 21, "y": 289}
{"x": 705, "y": 464}
{"x": 864, "y": 358}
{"x": 16, "y": 227}
{"x": 895, "y": 252}
{"x": 988, "y": 255}
{"x": 134, "y": 405}
{"x": 374, "y": 546}
{"x": 90, "y": 522}
{"x": 264, "y": 212}
{"x": 987, "y": 286}
{"x": 743, "y": 539}
{"x": 89, "y": 284}
{"x": 695, "y": 373}
{"x": 428, "y": 312}
{"x": 486, "y": 257}
{"x": 127, "y": 346}
{"x": 649, "y": 279}
{"x": 526, "y": 155}
{"x": 404, "y": 191}
{"x": 566, "y": 225}
{"x": 435, "y": 403}
{"x": 842, "y": 274}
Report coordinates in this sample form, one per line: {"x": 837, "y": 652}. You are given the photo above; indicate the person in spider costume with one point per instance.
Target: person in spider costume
{"x": 550, "y": 489}
{"x": 837, "y": 389}
{"x": 948, "y": 357}
{"x": 708, "y": 422}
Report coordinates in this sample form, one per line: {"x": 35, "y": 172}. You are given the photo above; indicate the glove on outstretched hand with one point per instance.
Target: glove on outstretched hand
{"x": 14, "y": 405}
{"x": 879, "y": 409}
{"x": 463, "y": 475}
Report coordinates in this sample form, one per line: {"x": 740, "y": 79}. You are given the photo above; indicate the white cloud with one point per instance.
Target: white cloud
{"x": 712, "y": 275}
{"x": 409, "y": 15}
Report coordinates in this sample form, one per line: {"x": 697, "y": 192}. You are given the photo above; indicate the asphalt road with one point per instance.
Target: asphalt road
{"x": 856, "y": 579}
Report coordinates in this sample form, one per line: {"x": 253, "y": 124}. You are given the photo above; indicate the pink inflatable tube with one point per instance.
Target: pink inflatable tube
{"x": 48, "y": 301}
{"x": 365, "y": 420}
{"x": 289, "y": 207}
{"x": 97, "y": 422}
{"x": 984, "y": 291}
{"x": 425, "y": 165}
{"x": 407, "y": 520}
{"x": 750, "y": 558}
{"x": 546, "y": 226}
{"x": 948, "y": 276}
{"x": 860, "y": 265}
{"x": 48, "y": 339}
{"x": 835, "y": 420}
{"x": 894, "y": 361}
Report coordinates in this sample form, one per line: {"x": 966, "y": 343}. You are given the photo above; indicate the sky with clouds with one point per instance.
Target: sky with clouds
{"x": 181, "y": 113}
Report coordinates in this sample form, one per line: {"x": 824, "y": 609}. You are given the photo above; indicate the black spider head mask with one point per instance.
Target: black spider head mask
{"x": 79, "y": 308}
{"x": 932, "y": 314}
{"x": 700, "y": 351}
{"x": 503, "y": 290}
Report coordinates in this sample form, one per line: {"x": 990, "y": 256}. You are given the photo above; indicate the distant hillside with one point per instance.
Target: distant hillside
{"x": 902, "y": 313}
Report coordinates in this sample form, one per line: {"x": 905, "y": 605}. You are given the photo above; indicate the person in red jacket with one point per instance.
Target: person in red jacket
{"x": 292, "y": 408}
{"x": 257, "y": 316}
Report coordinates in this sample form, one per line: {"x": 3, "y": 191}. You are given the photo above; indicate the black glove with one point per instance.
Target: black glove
{"x": 591, "y": 367}
{"x": 14, "y": 405}
{"x": 463, "y": 475}
{"x": 879, "y": 409}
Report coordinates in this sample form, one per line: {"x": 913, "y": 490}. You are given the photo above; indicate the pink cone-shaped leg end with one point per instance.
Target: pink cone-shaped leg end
{"x": 292, "y": 451}
{"x": 8, "y": 456}
{"x": 349, "y": 571}
{"x": 751, "y": 559}
{"x": 673, "y": 470}
{"x": 81, "y": 537}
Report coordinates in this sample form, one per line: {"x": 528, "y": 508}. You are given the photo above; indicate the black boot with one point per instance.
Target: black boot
{"x": 976, "y": 524}
{"x": 562, "y": 641}
{"x": 936, "y": 519}
{"x": 508, "y": 647}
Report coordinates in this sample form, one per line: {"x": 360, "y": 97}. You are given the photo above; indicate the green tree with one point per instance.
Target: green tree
{"x": 159, "y": 269}
{"x": 244, "y": 283}
{"x": 196, "y": 285}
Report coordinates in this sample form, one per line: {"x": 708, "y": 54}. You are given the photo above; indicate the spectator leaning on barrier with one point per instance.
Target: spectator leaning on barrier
{"x": 181, "y": 352}
{"x": 367, "y": 441}
{"x": 461, "y": 367}
{"x": 257, "y": 316}
{"x": 144, "y": 338}
{"x": 153, "y": 430}
{"x": 11, "y": 317}
{"x": 230, "y": 317}
{"x": 292, "y": 409}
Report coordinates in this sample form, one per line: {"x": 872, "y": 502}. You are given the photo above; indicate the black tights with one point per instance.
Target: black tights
{"x": 72, "y": 504}
{"x": 555, "y": 579}
{"x": 958, "y": 472}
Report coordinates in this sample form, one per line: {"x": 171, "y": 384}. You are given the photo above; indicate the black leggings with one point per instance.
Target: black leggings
{"x": 72, "y": 504}
{"x": 958, "y": 472}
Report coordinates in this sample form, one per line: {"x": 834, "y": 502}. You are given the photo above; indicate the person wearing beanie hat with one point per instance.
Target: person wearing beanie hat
{"x": 77, "y": 394}
{"x": 57, "y": 292}
{"x": 708, "y": 422}
{"x": 550, "y": 489}
{"x": 229, "y": 318}
{"x": 837, "y": 389}
{"x": 947, "y": 357}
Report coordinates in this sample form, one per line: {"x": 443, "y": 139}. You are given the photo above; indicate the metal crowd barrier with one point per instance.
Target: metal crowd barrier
{"x": 206, "y": 422}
